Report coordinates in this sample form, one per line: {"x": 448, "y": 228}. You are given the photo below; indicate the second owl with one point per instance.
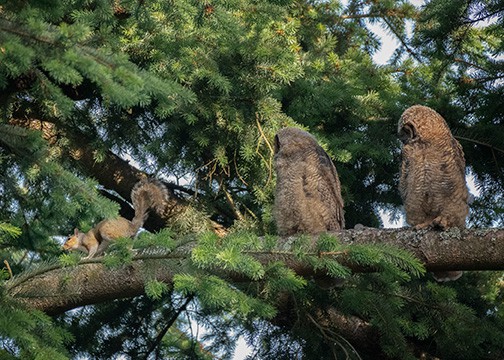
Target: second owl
{"x": 308, "y": 192}
{"x": 432, "y": 182}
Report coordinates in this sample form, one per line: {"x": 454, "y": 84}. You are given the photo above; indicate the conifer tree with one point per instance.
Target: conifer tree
{"x": 94, "y": 94}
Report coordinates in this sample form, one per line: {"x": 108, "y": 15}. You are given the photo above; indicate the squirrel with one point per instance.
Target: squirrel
{"x": 146, "y": 194}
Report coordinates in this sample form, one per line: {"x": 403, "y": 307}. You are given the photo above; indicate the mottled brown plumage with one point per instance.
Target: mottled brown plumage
{"x": 308, "y": 193}
{"x": 432, "y": 183}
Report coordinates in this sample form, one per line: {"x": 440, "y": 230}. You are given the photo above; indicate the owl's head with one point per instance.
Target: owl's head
{"x": 290, "y": 140}
{"x": 421, "y": 123}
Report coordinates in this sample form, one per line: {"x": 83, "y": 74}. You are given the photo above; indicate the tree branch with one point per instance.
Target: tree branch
{"x": 167, "y": 326}
{"x": 403, "y": 42}
{"x": 480, "y": 143}
{"x": 362, "y": 16}
{"x": 60, "y": 289}
{"x": 482, "y": 18}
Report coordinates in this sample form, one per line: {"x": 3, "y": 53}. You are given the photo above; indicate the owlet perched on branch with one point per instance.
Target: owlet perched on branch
{"x": 432, "y": 182}
{"x": 308, "y": 193}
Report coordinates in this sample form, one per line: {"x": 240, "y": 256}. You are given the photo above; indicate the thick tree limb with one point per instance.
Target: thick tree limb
{"x": 57, "y": 290}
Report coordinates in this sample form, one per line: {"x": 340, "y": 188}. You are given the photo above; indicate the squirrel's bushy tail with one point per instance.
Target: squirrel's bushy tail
{"x": 146, "y": 194}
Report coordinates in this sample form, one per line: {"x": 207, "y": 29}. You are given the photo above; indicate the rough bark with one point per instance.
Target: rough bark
{"x": 56, "y": 290}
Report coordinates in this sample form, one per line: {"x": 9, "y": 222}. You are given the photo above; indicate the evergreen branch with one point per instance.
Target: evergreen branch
{"x": 462, "y": 61}
{"x": 142, "y": 255}
{"x": 457, "y": 45}
{"x": 480, "y": 143}
{"x": 39, "y": 271}
{"x": 8, "y": 27}
{"x": 468, "y": 249}
{"x": 44, "y": 268}
{"x": 482, "y": 18}
{"x": 401, "y": 40}
{"x": 168, "y": 325}
{"x": 362, "y": 16}
{"x": 411, "y": 300}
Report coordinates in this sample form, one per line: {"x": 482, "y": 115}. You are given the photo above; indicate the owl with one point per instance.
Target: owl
{"x": 308, "y": 192}
{"x": 432, "y": 182}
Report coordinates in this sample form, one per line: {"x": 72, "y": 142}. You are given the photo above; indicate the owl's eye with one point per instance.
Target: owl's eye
{"x": 277, "y": 144}
{"x": 407, "y": 133}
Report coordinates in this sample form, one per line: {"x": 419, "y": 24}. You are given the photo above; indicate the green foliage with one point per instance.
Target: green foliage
{"x": 228, "y": 254}
{"x": 119, "y": 253}
{"x": 383, "y": 310}
{"x": 138, "y": 321}
{"x": 280, "y": 280}
{"x": 215, "y": 294}
{"x": 422, "y": 311}
{"x": 392, "y": 262}
{"x": 30, "y": 334}
{"x": 154, "y": 289}
{"x": 70, "y": 259}
{"x": 387, "y": 258}
{"x": 8, "y": 231}
{"x": 195, "y": 91}
{"x": 183, "y": 346}
{"x": 163, "y": 239}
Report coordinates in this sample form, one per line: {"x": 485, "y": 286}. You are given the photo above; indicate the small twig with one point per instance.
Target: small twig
{"x": 237, "y": 172}
{"x": 361, "y": 16}
{"x": 250, "y": 212}
{"x": 8, "y": 268}
{"x": 21, "y": 279}
{"x": 272, "y": 151}
{"x": 263, "y": 135}
{"x": 276, "y": 252}
{"x": 231, "y": 203}
{"x": 472, "y": 21}
{"x": 462, "y": 61}
{"x": 332, "y": 339}
{"x": 180, "y": 188}
{"x": 332, "y": 253}
{"x": 488, "y": 78}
